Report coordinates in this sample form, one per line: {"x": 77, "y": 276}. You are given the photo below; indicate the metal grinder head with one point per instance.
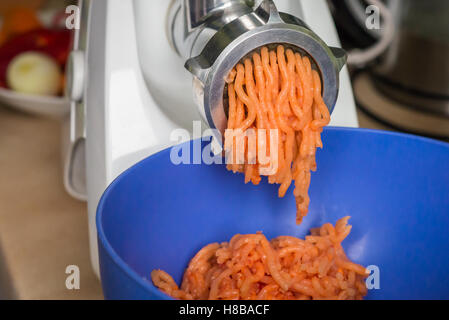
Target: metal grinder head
{"x": 263, "y": 26}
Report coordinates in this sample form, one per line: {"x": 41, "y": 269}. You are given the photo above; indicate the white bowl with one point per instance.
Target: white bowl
{"x": 50, "y": 106}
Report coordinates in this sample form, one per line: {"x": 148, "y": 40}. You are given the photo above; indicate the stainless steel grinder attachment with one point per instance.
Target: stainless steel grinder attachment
{"x": 214, "y": 35}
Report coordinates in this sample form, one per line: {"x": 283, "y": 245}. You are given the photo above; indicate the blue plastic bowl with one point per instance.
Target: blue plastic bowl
{"x": 395, "y": 187}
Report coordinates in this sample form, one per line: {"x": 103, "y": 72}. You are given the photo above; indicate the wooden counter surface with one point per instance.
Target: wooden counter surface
{"x": 42, "y": 229}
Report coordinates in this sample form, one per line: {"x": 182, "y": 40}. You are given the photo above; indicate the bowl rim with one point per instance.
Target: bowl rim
{"x": 5, "y": 92}
{"x": 147, "y": 284}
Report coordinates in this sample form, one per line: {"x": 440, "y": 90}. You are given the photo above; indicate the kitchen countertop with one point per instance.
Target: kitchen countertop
{"x": 42, "y": 229}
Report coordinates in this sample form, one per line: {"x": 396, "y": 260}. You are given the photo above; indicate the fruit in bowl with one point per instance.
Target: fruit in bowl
{"x": 34, "y": 73}
{"x": 45, "y": 44}
{"x": 33, "y": 56}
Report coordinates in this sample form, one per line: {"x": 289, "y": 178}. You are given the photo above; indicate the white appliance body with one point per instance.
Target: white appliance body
{"x": 136, "y": 90}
